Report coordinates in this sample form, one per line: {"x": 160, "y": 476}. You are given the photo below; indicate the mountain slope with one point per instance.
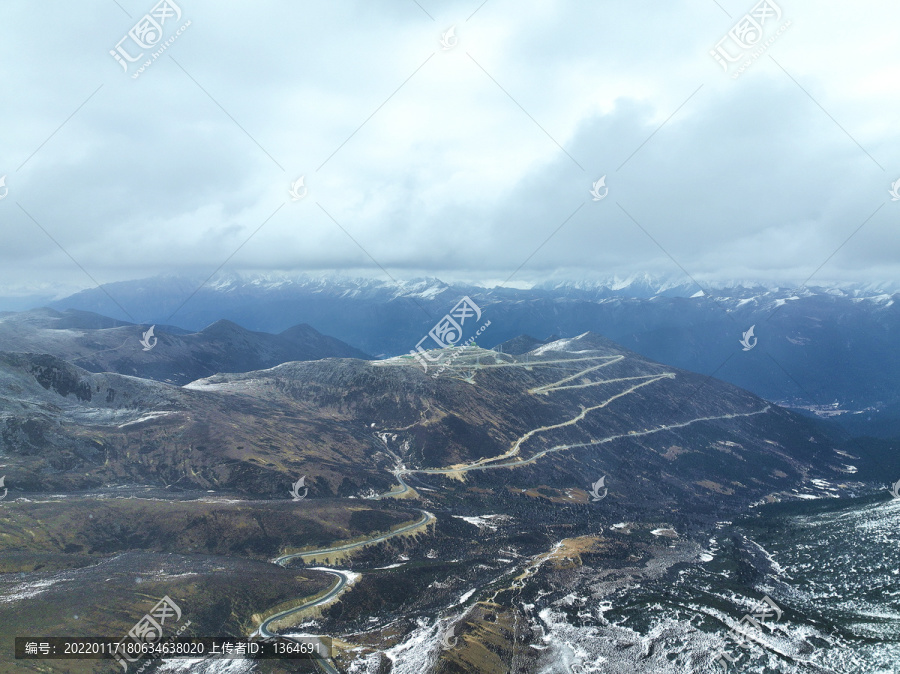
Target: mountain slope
{"x": 828, "y": 350}
{"x": 553, "y": 420}
{"x": 101, "y": 344}
{"x": 465, "y": 502}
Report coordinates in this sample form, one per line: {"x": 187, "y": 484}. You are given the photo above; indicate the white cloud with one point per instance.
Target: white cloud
{"x": 750, "y": 178}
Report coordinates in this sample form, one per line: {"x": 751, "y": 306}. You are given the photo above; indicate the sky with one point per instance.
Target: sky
{"x": 452, "y": 139}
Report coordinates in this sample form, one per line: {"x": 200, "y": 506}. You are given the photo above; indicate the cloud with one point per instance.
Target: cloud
{"x": 457, "y": 163}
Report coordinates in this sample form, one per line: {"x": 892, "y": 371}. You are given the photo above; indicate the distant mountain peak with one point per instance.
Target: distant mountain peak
{"x": 98, "y": 343}
{"x": 223, "y": 326}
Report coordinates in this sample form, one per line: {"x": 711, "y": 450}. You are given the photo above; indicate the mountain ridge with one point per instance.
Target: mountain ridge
{"x": 467, "y": 500}
{"x": 172, "y": 354}
{"x": 797, "y": 362}
{"x": 339, "y": 421}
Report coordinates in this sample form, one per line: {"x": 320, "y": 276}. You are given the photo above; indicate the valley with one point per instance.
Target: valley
{"x": 444, "y": 515}
{"x": 457, "y": 337}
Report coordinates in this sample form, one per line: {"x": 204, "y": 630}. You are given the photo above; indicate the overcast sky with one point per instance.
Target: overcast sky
{"x": 459, "y": 162}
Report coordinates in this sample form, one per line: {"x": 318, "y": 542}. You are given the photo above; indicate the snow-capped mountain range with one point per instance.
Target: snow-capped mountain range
{"x": 830, "y": 350}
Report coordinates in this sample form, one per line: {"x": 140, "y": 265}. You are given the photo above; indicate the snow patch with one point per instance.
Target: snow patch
{"x": 484, "y": 521}
{"x": 463, "y": 599}
{"x": 148, "y": 417}
{"x": 667, "y": 531}
{"x": 29, "y": 590}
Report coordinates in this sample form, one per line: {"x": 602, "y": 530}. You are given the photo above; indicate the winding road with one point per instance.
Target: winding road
{"x": 509, "y": 459}
{"x": 342, "y": 579}
{"x": 342, "y": 583}
{"x": 426, "y": 519}
{"x": 336, "y": 589}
